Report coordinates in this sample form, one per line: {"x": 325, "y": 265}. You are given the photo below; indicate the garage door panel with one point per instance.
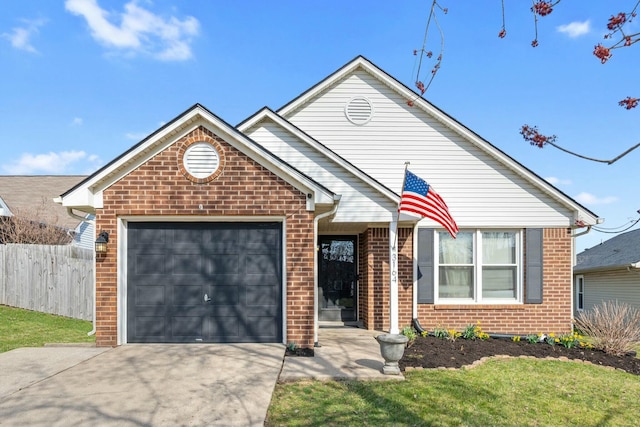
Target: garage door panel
{"x": 261, "y": 296}
{"x": 152, "y": 295}
{"x": 224, "y": 295}
{"x": 187, "y": 326}
{"x": 262, "y": 327}
{"x": 149, "y": 326}
{"x": 224, "y": 327}
{"x": 171, "y": 266}
{"x": 262, "y": 264}
{"x": 149, "y": 264}
{"x": 187, "y": 264}
{"x": 260, "y": 238}
{"x": 223, "y": 264}
{"x": 189, "y": 295}
{"x": 148, "y": 237}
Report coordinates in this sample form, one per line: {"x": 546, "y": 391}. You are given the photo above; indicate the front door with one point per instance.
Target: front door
{"x": 337, "y": 278}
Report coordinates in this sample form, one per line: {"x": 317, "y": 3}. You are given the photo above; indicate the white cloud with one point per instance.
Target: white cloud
{"x": 557, "y": 181}
{"x": 54, "y": 163}
{"x": 138, "y": 30}
{"x": 575, "y": 29}
{"x": 77, "y": 121}
{"x": 20, "y": 38}
{"x": 590, "y": 199}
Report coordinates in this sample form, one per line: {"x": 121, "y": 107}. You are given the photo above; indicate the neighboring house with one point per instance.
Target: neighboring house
{"x": 609, "y": 271}
{"x": 33, "y": 196}
{"x": 260, "y": 232}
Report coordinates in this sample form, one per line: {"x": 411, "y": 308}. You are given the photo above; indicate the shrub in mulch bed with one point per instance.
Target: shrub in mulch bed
{"x": 431, "y": 352}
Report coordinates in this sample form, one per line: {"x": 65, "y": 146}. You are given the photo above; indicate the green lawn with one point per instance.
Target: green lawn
{"x": 511, "y": 392}
{"x": 25, "y": 328}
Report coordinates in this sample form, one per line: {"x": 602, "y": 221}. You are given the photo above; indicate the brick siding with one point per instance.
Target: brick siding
{"x": 553, "y": 315}
{"x": 161, "y": 187}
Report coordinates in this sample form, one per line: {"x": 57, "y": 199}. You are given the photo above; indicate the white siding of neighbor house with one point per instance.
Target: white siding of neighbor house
{"x": 621, "y": 285}
{"x": 85, "y": 234}
{"x": 479, "y": 190}
{"x": 360, "y": 202}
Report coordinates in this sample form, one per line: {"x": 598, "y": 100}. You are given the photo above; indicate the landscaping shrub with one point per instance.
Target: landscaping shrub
{"x": 613, "y": 327}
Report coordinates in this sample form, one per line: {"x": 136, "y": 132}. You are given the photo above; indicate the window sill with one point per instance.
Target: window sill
{"x": 509, "y": 306}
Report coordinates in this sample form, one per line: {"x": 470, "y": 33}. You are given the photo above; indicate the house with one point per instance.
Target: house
{"x": 609, "y": 271}
{"x": 32, "y": 197}
{"x": 263, "y": 231}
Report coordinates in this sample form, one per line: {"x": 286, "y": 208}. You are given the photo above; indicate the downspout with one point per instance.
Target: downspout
{"x": 336, "y": 200}
{"x": 93, "y": 222}
{"x": 583, "y": 232}
{"x": 634, "y": 267}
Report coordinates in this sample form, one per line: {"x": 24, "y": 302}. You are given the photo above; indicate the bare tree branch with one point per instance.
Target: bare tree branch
{"x": 615, "y": 159}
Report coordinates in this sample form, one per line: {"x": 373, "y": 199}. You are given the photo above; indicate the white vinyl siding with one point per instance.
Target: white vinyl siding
{"x": 479, "y": 190}
{"x": 621, "y": 285}
{"x": 359, "y": 203}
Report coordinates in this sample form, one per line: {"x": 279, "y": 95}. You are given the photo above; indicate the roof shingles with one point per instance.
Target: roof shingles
{"x": 617, "y": 252}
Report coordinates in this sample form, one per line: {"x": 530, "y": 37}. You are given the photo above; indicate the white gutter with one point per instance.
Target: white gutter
{"x": 336, "y": 199}
{"x": 93, "y": 222}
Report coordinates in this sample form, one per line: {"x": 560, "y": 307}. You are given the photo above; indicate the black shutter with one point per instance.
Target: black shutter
{"x": 533, "y": 269}
{"x": 425, "y": 265}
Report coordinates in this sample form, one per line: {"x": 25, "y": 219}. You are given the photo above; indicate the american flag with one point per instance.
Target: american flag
{"x": 420, "y": 199}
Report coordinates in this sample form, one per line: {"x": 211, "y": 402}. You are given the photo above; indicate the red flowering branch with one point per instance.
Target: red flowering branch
{"x": 539, "y": 8}
{"x": 616, "y": 26}
{"x": 422, "y": 55}
{"x": 629, "y": 103}
{"x": 531, "y": 134}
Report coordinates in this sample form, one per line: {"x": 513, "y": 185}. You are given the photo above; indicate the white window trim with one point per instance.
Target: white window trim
{"x": 477, "y": 271}
{"x": 579, "y": 279}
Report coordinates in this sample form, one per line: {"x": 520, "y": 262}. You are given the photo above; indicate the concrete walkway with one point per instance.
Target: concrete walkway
{"x": 345, "y": 353}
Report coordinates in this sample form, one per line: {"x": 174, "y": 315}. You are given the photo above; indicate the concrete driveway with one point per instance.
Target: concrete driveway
{"x": 140, "y": 385}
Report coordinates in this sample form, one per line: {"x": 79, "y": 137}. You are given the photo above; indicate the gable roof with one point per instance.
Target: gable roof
{"x": 87, "y": 195}
{"x": 268, "y": 114}
{"x": 34, "y": 194}
{"x": 362, "y": 63}
{"x": 618, "y": 252}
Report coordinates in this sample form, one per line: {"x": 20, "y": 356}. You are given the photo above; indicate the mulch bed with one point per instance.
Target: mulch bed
{"x": 432, "y": 352}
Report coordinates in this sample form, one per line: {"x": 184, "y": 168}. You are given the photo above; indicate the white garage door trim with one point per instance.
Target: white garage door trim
{"x": 122, "y": 260}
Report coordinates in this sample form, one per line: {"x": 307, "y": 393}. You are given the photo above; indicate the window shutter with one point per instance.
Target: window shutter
{"x": 533, "y": 272}
{"x": 425, "y": 266}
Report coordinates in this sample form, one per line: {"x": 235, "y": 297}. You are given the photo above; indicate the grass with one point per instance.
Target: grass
{"x": 502, "y": 392}
{"x": 25, "y": 328}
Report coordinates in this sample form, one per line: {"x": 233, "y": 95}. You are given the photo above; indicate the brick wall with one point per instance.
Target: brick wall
{"x": 161, "y": 187}
{"x": 554, "y": 315}
{"x": 374, "y": 277}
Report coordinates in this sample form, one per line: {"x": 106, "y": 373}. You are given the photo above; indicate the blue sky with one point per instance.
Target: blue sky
{"x": 81, "y": 81}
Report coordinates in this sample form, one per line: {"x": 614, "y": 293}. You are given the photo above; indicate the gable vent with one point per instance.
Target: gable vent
{"x": 359, "y": 110}
{"x": 201, "y": 160}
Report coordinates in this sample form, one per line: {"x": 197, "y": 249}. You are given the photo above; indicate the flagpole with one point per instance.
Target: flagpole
{"x": 404, "y": 180}
{"x": 393, "y": 263}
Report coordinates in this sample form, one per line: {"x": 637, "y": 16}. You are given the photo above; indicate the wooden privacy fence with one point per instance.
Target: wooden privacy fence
{"x": 49, "y": 279}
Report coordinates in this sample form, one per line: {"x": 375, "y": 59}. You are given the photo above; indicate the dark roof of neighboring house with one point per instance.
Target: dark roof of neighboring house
{"x": 32, "y": 193}
{"x": 619, "y": 251}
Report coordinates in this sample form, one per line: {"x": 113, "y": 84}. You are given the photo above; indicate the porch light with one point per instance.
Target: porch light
{"x": 101, "y": 242}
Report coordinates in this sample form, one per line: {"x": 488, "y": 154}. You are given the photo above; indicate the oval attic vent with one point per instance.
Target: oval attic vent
{"x": 359, "y": 110}
{"x": 201, "y": 160}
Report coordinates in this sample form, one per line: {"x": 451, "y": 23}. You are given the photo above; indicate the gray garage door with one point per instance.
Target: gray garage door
{"x": 204, "y": 282}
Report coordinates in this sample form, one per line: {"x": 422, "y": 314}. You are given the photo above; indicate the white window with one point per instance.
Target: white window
{"x": 482, "y": 266}
{"x": 579, "y": 293}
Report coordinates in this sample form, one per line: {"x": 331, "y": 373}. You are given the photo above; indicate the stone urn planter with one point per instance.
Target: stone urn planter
{"x": 392, "y": 348}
